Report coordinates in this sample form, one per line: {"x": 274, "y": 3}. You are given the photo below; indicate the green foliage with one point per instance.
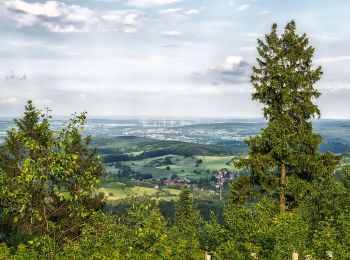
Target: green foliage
{"x": 285, "y": 165}
{"x": 214, "y": 234}
{"x": 186, "y": 215}
{"x": 247, "y": 230}
{"x": 136, "y": 233}
{"x": 185, "y": 235}
{"x": 48, "y": 178}
{"x": 284, "y": 83}
{"x": 288, "y": 232}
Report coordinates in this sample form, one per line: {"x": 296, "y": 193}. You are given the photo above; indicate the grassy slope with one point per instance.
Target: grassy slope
{"x": 117, "y": 191}
{"x": 182, "y": 166}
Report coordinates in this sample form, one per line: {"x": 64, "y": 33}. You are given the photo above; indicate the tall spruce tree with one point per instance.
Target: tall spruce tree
{"x": 284, "y": 82}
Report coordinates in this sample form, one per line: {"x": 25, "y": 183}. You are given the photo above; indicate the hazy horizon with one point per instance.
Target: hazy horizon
{"x": 160, "y": 118}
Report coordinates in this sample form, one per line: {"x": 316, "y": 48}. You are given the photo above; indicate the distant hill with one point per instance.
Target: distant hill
{"x": 125, "y": 148}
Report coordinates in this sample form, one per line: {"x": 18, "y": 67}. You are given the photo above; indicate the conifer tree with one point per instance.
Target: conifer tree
{"x": 284, "y": 82}
{"x": 186, "y": 233}
{"x": 185, "y": 213}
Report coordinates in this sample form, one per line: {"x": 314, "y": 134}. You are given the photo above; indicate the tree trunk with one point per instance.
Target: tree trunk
{"x": 282, "y": 188}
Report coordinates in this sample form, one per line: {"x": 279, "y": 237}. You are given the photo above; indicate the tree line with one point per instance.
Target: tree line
{"x": 184, "y": 149}
{"x": 290, "y": 201}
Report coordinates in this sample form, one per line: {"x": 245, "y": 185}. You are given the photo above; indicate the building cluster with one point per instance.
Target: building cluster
{"x": 177, "y": 182}
{"x": 222, "y": 176}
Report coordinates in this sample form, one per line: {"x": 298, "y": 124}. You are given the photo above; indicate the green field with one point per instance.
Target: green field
{"x": 182, "y": 166}
{"x": 127, "y": 159}
{"x": 117, "y": 191}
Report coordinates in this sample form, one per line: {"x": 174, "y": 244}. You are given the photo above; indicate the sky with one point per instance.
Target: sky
{"x": 159, "y": 57}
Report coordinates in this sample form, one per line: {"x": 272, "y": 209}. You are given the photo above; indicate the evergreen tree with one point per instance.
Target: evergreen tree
{"x": 186, "y": 213}
{"x": 284, "y": 82}
{"x": 186, "y": 232}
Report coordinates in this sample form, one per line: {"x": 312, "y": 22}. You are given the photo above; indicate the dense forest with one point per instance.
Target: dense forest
{"x": 294, "y": 199}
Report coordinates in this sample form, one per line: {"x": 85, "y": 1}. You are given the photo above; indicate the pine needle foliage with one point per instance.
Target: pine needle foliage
{"x": 284, "y": 81}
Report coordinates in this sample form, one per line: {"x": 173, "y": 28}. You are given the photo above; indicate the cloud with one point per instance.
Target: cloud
{"x": 243, "y": 7}
{"x": 333, "y": 59}
{"x": 324, "y": 37}
{"x": 233, "y": 70}
{"x": 15, "y": 77}
{"x": 55, "y": 16}
{"x": 129, "y": 20}
{"x": 247, "y": 48}
{"x": 42, "y": 45}
{"x": 59, "y": 17}
{"x": 107, "y": 1}
{"x": 8, "y": 100}
{"x": 82, "y": 97}
{"x": 170, "y": 11}
{"x": 170, "y": 45}
{"x": 253, "y": 34}
{"x": 19, "y": 43}
{"x": 147, "y": 3}
{"x": 171, "y": 33}
{"x": 265, "y": 12}
{"x": 192, "y": 12}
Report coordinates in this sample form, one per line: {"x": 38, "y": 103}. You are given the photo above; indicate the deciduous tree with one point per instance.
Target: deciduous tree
{"x": 48, "y": 177}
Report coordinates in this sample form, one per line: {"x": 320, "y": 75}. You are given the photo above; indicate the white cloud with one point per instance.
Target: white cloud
{"x": 253, "y": 34}
{"x": 128, "y": 20}
{"x": 171, "y": 33}
{"x": 19, "y": 43}
{"x": 59, "y": 17}
{"x": 53, "y": 15}
{"x": 231, "y": 61}
{"x": 265, "y": 12}
{"x": 64, "y": 29}
{"x": 243, "y": 7}
{"x": 192, "y": 12}
{"x": 49, "y": 9}
{"x": 41, "y": 45}
{"x": 170, "y": 45}
{"x": 247, "y": 48}
{"x": 82, "y": 97}
{"x": 170, "y": 11}
{"x": 333, "y": 59}
{"x": 148, "y": 3}
{"x": 334, "y": 86}
{"x": 8, "y": 100}
{"x": 324, "y": 37}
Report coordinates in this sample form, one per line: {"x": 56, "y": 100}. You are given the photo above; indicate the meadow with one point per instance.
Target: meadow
{"x": 186, "y": 167}
{"x": 118, "y": 191}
